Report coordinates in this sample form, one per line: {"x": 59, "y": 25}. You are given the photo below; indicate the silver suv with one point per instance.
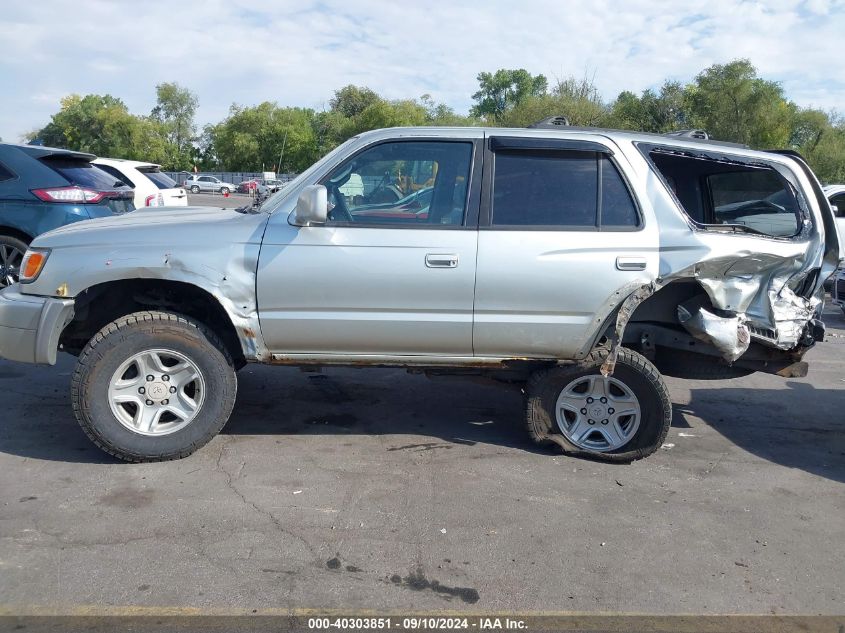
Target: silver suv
{"x": 579, "y": 262}
{"x": 197, "y": 184}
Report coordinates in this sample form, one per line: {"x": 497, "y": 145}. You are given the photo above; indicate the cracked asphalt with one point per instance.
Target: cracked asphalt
{"x": 376, "y": 489}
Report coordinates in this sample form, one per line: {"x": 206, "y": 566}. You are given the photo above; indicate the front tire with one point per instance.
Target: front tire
{"x": 621, "y": 418}
{"x": 195, "y": 189}
{"x": 153, "y": 386}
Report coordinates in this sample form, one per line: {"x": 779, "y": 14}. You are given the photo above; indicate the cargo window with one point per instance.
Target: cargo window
{"x": 83, "y": 173}
{"x": 722, "y": 193}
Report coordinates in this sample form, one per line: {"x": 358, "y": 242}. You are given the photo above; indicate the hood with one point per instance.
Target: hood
{"x": 156, "y": 225}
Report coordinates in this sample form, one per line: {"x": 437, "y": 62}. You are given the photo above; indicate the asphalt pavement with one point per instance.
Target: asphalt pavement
{"x": 376, "y": 489}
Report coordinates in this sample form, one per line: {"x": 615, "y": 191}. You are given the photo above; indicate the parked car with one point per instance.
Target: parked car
{"x": 836, "y": 195}
{"x": 838, "y": 289}
{"x": 196, "y": 184}
{"x": 245, "y": 186}
{"x": 273, "y": 184}
{"x": 42, "y": 188}
{"x": 152, "y": 187}
{"x": 576, "y": 262}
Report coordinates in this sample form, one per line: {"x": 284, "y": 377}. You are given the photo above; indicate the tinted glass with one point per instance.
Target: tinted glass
{"x": 117, "y": 174}
{"x": 414, "y": 183}
{"x": 84, "y": 174}
{"x": 160, "y": 180}
{"x": 545, "y": 189}
{"x": 756, "y": 198}
{"x": 617, "y": 206}
{"x": 839, "y": 203}
{"x": 5, "y": 174}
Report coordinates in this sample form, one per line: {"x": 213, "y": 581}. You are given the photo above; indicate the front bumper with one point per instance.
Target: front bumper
{"x": 30, "y": 326}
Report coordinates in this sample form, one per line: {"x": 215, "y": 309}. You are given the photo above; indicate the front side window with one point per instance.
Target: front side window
{"x": 413, "y": 183}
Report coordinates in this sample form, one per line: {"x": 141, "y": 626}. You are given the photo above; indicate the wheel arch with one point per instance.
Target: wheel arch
{"x": 102, "y": 303}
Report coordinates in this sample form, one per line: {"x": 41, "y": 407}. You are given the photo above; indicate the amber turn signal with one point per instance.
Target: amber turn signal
{"x": 33, "y": 263}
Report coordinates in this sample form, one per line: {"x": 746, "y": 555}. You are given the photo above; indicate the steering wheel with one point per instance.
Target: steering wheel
{"x": 340, "y": 212}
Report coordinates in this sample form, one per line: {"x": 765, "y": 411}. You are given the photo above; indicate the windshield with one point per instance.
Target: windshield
{"x": 271, "y": 204}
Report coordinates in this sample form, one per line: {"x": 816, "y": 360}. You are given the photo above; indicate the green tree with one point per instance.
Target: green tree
{"x": 501, "y": 91}
{"x": 661, "y": 111}
{"x": 732, "y": 103}
{"x": 175, "y": 110}
{"x": 350, "y": 101}
{"x": 576, "y": 99}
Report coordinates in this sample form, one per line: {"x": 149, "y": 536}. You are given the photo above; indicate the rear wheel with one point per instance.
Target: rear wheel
{"x": 619, "y": 418}
{"x": 12, "y": 250}
{"x": 153, "y": 386}
{"x": 224, "y": 190}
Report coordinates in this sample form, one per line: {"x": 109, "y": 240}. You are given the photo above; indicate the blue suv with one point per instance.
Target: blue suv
{"x": 43, "y": 188}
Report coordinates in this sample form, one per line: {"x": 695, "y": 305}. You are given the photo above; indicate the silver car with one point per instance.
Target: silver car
{"x": 197, "y": 184}
{"x": 580, "y": 262}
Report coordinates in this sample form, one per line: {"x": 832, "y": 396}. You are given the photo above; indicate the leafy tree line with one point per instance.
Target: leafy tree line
{"x": 730, "y": 101}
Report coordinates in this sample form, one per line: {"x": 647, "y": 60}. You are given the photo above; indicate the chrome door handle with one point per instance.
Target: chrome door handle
{"x": 433, "y": 260}
{"x": 630, "y": 263}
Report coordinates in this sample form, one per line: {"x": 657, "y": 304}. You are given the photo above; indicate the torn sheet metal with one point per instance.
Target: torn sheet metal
{"x": 729, "y": 335}
{"x": 626, "y": 311}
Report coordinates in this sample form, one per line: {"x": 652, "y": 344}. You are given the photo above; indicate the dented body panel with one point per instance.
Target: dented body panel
{"x": 514, "y": 295}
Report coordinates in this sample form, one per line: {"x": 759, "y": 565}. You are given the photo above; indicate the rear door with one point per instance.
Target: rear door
{"x": 561, "y": 242}
{"x": 392, "y": 272}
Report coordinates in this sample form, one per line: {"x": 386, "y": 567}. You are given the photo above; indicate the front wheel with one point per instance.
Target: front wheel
{"x": 195, "y": 189}
{"x": 153, "y": 386}
{"x": 620, "y": 418}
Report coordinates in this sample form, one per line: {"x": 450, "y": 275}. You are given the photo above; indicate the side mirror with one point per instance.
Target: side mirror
{"x": 312, "y": 207}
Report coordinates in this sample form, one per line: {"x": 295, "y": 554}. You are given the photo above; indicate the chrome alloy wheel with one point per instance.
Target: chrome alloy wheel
{"x": 156, "y": 392}
{"x": 597, "y": 413}
{"x": 10, "y": 265}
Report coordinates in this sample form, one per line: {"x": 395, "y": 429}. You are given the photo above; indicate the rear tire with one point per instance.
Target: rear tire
{"x": 224, "y": 190}
{"x": 12, "y": 250}
{"x": 127, "y": 413}
{"x": 574, "y": 407}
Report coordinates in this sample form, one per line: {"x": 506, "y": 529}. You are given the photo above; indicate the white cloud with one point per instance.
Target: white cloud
{"x": 297, "y": 53}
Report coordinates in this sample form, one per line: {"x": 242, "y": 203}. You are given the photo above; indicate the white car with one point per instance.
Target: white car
{"x": 152, "y": 187}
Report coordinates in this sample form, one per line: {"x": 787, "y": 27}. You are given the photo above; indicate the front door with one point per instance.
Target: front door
{"x": 393, "y": 270}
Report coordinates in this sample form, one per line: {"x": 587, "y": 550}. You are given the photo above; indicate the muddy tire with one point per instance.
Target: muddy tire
{"x": 153, "y": 386}
{"x": 619, "y": 419}
{"x": 690, "y": 366}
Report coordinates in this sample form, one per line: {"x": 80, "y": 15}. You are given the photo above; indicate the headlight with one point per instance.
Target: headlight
{"x": 33, "y": 263}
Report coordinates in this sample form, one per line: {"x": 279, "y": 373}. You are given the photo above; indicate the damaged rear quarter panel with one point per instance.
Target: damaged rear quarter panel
{"x": 750, "y": 279}
{"x": 213, "y": 249}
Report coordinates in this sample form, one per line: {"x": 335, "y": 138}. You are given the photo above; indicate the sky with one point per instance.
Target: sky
{"x": 299, "y": 53}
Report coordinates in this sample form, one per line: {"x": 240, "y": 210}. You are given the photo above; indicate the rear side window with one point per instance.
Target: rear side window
{"x": 84, "y": 174}
{"x": 546, "y": 189}
{"x": 160, "y": 180}
{"x": 559, "y": 190}
{"x": 720, "y": 192}
{"x": 5, "y": 174}
{"x": 117, "y": 174}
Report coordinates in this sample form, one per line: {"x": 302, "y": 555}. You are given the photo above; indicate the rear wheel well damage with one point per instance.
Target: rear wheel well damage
{"x": 650, "y": 322}
{"x": 101, "y": 304}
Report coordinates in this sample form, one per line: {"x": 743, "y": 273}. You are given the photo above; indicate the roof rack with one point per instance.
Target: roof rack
{"x": 699, "y": 134}
{"x": 551, "y": 122}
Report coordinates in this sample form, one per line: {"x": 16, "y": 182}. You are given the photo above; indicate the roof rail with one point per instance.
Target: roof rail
{"x": 551, "y": 122}
{"x": 699, "y": 134}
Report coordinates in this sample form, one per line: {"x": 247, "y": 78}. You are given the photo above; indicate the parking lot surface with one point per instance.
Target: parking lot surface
{"x": 377, "y": 489}
{"x": 232, "y": 201}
